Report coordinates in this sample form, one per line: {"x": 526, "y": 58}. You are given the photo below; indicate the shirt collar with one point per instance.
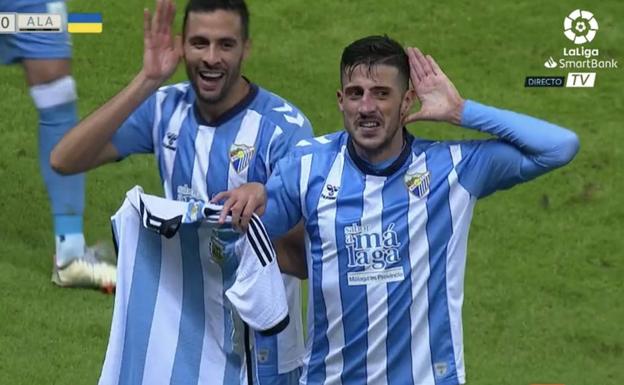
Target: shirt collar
{"x": 227, "y": 115}
{"x": 392, "y": 168}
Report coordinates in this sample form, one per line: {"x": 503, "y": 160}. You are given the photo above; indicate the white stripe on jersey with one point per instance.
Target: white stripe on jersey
{"x": 181, "y": 86}
{"x": 112, "y": 362}
{"x": 376, "y": 295}
{"x": 267, "y": 164}
{"x": 249, "y": 129}
{"x": 156, "y": 139}
{"x": 159, "y": 357}
{"x": 175, "y": 124}
{"x": 461, "y": 204}
{"x": 214, "y": 320}
{"x": 419, "y": 264}
{"x": 330, "y": 285}
{"x": 287, "y": 341}
{"x": 203, "y": 145}
{"x": 305, "y": 168}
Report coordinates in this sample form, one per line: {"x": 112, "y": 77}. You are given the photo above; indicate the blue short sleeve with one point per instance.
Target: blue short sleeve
{"x": 135, "y": 134}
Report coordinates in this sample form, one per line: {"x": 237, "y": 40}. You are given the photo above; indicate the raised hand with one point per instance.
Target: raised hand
{"x": 439, "y": 99}
{"x": 161, "y": 52}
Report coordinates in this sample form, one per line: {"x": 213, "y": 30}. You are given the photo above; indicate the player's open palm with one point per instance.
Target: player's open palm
{"x": 162, "y": 51}
{"x": 439, "y": 99}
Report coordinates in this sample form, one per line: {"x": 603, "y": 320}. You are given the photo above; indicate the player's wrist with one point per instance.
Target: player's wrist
{"x": 148, "y": 83}
{"x": 457, "y": 111}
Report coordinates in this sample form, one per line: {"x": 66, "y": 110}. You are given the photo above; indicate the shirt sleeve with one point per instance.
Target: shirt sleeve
{"x": 525, "y": 148}
{"x": 283, "y": 210}
{"x": 135, "y": 134}
{"x": 258, "y": 294}
{"x": 285, "y": 142}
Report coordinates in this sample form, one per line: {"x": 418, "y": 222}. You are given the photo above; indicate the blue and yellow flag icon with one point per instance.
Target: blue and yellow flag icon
{"x": 84, "y": 23}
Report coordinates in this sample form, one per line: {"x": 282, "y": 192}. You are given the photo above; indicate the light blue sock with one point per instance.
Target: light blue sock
{"x": 56, "y": 103}
{"x": 69, "y": 240}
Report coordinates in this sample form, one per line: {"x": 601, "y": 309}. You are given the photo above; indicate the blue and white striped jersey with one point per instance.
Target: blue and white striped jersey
{"x": 197, "y": 160}
{"x": 386, "y": 250}
{"x": 165, "y": 260}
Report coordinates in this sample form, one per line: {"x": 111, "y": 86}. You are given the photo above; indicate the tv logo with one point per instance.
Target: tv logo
{"x": 544, "y": 81}
{"x": 580, "y": 26}
{"x": 581, "y": 79}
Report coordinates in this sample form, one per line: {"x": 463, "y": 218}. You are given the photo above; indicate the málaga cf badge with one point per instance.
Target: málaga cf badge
{"x": 418, "y": 183}
{"x": 240, "y": 156}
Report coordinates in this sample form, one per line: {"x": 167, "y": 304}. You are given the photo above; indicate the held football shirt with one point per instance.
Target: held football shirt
{"x": 168, "y": 325}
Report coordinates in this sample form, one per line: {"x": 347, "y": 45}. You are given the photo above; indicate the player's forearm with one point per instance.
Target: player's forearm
{"x": 290, "y": 251}
{"x": 82, "y": 148}
{"x": 547, "y": 145}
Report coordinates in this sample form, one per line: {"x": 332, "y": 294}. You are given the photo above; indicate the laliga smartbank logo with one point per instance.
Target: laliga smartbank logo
{"x": 579, "y": 27}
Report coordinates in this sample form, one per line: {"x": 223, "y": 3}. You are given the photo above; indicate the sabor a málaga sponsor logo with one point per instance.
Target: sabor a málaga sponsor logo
{"x": 580, "y": 28}
{"x": 373, "y": 256}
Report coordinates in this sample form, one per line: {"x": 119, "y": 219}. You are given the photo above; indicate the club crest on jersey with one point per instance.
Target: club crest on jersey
{"x": 193, "y": 211}
{"x": 240, "y": 156}
{"x": 330, "y": 192}
{"x": 418, "y": 183}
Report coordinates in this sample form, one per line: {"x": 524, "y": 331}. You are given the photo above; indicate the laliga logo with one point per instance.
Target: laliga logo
{"x": 580, "y": 26}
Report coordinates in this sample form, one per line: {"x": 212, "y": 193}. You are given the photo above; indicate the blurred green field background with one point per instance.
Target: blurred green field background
{"x": 544, "y": 296}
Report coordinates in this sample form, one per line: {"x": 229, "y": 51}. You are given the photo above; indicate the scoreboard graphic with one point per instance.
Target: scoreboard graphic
{"x": 50, "y": 23}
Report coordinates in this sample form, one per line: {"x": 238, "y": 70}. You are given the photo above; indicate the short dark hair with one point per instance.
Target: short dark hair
{"x": 237, "y": 6}
{"x": 374, "y": 50}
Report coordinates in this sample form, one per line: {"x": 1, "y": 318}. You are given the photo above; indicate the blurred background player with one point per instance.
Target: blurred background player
{"x": 209, "y": 134}
{"x": 46, "y": 60}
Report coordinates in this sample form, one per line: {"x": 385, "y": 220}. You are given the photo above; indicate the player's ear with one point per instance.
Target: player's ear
{"x": 339, "y": 97}
{"x": 408, "y": 102}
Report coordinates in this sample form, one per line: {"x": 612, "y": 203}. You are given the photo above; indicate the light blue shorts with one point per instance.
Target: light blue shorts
{"x": 19, "y": 46}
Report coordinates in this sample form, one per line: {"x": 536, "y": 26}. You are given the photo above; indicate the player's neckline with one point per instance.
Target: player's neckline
{"x": 392, "y": 168}
{"x": 233, "y": 111}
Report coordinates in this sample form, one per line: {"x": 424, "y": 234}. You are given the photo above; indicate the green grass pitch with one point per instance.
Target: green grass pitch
{"x": 544, "y": 298}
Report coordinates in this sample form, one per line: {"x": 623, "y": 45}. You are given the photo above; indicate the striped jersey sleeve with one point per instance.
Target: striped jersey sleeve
{"x": 283, "y": 210}
{"x": 135, "y": 134}
{"x": 258, "y": 292}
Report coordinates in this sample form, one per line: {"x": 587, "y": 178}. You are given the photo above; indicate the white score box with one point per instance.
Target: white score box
{"x": 39, "y": 22}
{"x": 30, "y": 22}
{"x": 7, "y": 22}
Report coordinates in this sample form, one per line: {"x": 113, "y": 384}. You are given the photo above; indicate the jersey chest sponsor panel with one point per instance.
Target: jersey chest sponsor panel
{"x": 386, "y": 274}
